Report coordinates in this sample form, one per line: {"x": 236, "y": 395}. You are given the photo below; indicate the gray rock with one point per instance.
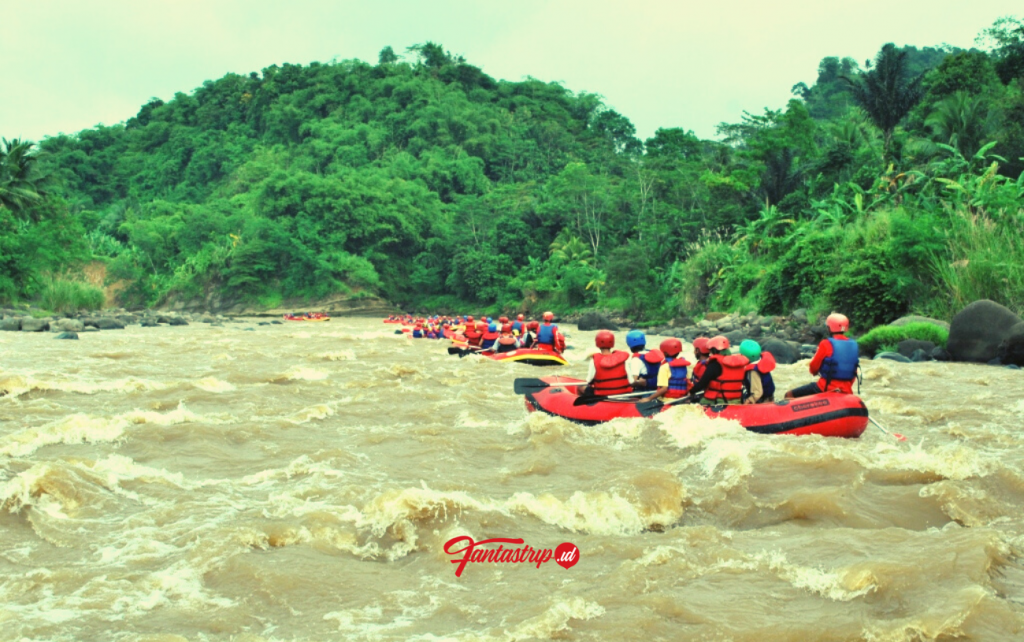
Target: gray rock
{"x": 249, "y": 330}
{"x": 67, "y": 335}
{"x": 177, "y": 321}
{"x": 108, "y": 323}
{"x": 736, "y": 337}
{"x": 205, "y": 318}
{"x": 163, "y": 318}
{"x": 909, "y": 346}
{"x": 11, "y": 324}
{"x": 276, "y": 322}
{"x": 90, "y": 322}
{"x": 1012, "y": 366}
{"x": 916, "y": 319}
{"x": 68, "y": 325}
{"x": 726, "y": 327}
{"x": 920, "y": 355}
{"x": 263, "y": 323}
{"x": 781, "y": 350}
{"x": 807, "y": 350}
{"x": 892, "y": 356}
{"x": 1011, "y": 349}
{"x": 149, "y": 323}
{"x": 35, "y": 325}
{"x": 594, "y": 321}
{"x": 90, "y": 328}
{"x": 940, "y": 354}
{"x": 704, "y": 323}
{"x": 754, "y": 331}
{"x": 799, "y": 315}
{"x": 978, "y": 329}
{"x": 712, "y": 331}
{"x": 765, "y": 321}
{"x": 216, "y": 324}
{"x": 995, "y": 362}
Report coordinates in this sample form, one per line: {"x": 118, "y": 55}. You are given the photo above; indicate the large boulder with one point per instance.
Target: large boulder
{"x": 594, "y": 321}
{"x": 978, "y": 329}
{"x": 67, "y": 325}
{"x": 107, "y": 323}
{"x": 892, "y": 356}
{"x": 11, "y": 324}
{"x": 916, "y": 319}
{"x": 782, "y": 351}
{"x": 1011, "y": 349}
{"x": 736, "y": 337}
{"x": 178, "y": 321}
{"x": 909, "y": 346}
{"x": 35, "y": 325}
{"x": 68, "y": 335}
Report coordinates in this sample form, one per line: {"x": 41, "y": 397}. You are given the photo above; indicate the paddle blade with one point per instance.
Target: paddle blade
{"x": 587, "y": 400}
{"x": 454, "y": 350}
{"x": 649, "y": 408}
{"x": 899, "y": 437}
{"x": 524, "y": 385}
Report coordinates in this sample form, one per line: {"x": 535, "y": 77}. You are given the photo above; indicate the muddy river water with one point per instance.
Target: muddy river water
{"x": 299, "y": 482}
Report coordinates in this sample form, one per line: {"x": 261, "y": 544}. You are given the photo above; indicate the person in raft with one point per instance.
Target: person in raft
{"x": 530, "y": 336}
{"x": 836, "y": 361}
{"x": 722, "y": 381}
{"x": 671, "y": 380}
{"x": 490, "y": 337}
{"x": 607, "y": 373}
{"x": 700, "y": 355}
{"x": 507, "y": 341}
{"x": 547, "y": 334}
{"x": 474, "y": 333}
{"x": 519, "y": 326}
{"x": 636, "y": 341}
{"x": 758, "y": 386}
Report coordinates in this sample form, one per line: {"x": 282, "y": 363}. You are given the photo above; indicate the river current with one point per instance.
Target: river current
{"x": 299, "y": 482}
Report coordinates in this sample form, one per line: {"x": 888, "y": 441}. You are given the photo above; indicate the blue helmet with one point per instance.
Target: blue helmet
{"x": 493, "y": 327}
{"x": 636, "y": 339}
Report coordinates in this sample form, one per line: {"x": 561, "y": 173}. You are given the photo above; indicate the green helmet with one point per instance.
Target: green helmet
{"x": 750, "y": 349}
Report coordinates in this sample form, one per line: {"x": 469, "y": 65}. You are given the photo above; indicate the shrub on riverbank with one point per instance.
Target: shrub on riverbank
{"x": 888, "y": 337}
{"x": 62, "y": 295}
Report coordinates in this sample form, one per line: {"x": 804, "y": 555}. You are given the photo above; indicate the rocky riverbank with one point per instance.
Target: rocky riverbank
{"x": 69, "y": 326}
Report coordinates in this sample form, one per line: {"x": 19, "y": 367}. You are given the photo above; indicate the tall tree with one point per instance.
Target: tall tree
{"x": 887, "y": 92}
{"x": 21, "y": 183}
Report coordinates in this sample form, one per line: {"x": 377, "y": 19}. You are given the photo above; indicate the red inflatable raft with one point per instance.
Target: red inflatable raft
{"x": 827, "y": 414}
{"x": 533, "y": 357}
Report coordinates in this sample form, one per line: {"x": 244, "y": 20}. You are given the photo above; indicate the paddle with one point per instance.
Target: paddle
{"x": 589, "y": 399}
{"x": 524, "y": 386}
{"x": 651, "y": 408}
{"x": 894, "y": 435}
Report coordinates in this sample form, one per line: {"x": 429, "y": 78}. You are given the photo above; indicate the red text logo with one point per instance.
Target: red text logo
{"x": 565, "y": 555}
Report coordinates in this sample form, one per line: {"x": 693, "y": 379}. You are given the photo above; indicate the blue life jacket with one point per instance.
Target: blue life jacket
{"x": 678, "y": 382}
{"x": 546, "y": 334}
{"x": 518, "y": 327}
{"x": 842, "y": 365}
{"x": 767, "y": 383}
{"x": 652, "y": 373}
{"x": 487, "y": 344}
{"x": 417, "y": 334}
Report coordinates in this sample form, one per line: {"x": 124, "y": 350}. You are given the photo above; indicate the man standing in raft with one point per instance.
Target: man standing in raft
{"x": 836, "y": 361}
{"x": 548, "y": 336}
{"x": 722, "y": 381}
{"x": 608, "y": 374}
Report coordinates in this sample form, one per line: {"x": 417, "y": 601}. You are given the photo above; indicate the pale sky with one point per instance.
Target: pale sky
{"x": 66, "y": 65}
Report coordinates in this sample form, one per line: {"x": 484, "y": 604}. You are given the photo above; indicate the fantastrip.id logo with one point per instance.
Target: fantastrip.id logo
{"x": 565, "y": 554}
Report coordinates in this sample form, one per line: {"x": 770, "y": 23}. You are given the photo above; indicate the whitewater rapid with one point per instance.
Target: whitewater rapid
{"x": 299, "y": 482}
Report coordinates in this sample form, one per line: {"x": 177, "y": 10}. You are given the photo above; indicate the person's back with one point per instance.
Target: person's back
{"x": 758, "y": 385}
{"x": 474, "y": 333}
{"x": 489, "y": 337}
{"x": 507, "y": 342}
{"x": 672, "y": 379}
{"x": 608, "y": 374}
{"x": 546, "y": 333}
{"x": 836, "y": 361}
{"x": 722, "y": 381}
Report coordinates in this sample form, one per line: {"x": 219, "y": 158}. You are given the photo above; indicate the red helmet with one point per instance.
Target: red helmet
{"x": 700, "y": 344}
{"x": 720, "y": 343}
{"x": 469, "y": 319}
{"x": 837, "y": 322}
{"x": 604, "y": 339}
{"x": 507, "y": 327}
{"x": 533, "y": 325}
{"x": 549, "y": 316}
{"x": 481, "y": 326}
{"x": 520, "y": 318}
{"x": 671, "y": 347}
{"x": 502, "y": 319}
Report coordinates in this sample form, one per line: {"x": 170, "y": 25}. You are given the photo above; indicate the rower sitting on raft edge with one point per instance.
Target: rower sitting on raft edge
{"x": 608, "y": 374}
{"x": 836, "y": 361}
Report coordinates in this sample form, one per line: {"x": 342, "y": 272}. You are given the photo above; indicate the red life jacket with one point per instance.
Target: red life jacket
{"x": 698, "y": 370}
{"x": 473, "y": 336}
{"x": 611, "y": 376}
{"x": 729, "y": 385}
{"x": 507, "y": 340}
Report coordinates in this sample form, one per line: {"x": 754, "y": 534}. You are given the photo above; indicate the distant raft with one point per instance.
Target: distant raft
{"x": 827, "y": 414}
{"x": 311, "y": 317}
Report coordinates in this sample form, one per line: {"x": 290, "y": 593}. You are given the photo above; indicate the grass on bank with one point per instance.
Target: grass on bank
{"x": 65, "y": 296}
{"x": 888, "y": 337}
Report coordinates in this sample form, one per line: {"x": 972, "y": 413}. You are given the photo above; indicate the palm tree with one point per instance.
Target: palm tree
{"x": 20, "y": 181}
{"x": 962, "y": 121}
{"x": 570, "y": 249}
{"x": 886, "y": 93}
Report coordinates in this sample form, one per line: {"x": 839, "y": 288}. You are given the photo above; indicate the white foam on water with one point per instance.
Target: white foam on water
{"x": 17, "y": 385}
{"x": 81, "y": 428}
{"x": 214, "y": 385}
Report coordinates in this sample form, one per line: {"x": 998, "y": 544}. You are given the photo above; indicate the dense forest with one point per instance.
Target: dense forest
{"x": 883, "y": 187}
